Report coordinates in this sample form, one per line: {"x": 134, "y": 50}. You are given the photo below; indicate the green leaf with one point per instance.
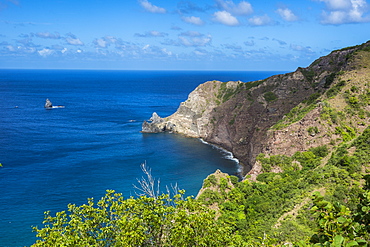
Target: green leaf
{"x": 361, "y": 242}
{"x": 352, "y": 243}
{"x": 365, "y": 209}
{"x": 338, "y": 240}
{"x": 341, "y": 220}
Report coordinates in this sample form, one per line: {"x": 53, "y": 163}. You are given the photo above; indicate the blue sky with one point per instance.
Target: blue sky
{"x": 276, "y": 35}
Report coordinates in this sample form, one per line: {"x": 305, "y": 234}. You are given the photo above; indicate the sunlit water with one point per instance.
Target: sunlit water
{"x": 54, "y": 157}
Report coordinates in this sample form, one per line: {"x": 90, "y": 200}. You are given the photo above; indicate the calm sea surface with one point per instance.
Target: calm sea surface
{"x": 54, "y": 157}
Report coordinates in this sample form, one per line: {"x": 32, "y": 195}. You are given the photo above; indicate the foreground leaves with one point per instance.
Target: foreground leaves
{"x": 143, "y": 221}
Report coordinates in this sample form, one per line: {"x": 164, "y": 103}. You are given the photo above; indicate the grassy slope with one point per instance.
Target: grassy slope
{"x": 334, "y": 154}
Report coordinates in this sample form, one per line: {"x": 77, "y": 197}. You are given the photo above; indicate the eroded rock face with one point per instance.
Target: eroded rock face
{"x": 192, "y": 118}
{"x": 154, "y": 125}
{"x": 237, "y": 116}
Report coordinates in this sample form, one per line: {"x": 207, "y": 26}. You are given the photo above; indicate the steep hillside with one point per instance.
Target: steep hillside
{"x": 310, "y": 183}
{"x": 238, "y": 116}
{"x": 337, "y": 116}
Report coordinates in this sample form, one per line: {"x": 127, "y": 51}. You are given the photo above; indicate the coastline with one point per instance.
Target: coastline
{"x": 228, "y": 155}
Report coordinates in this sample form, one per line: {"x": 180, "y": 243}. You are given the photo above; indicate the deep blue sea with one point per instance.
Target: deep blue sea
{"x": 54, "y": 157}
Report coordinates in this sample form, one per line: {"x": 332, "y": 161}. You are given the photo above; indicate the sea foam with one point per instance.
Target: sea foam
{"x": 226, "y": 154}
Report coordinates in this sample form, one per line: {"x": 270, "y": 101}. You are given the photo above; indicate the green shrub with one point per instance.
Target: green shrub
{"x": 270, "y": 96}
{"x": 234, "y": 179}
{"x": 312, "y": 98}
{"x": 333, "y": 91}
{"x": 313, "y": 130}
{"x": 321, "y": 151}
{"x": 308, "y": 74}
{"x": 329, "y": 80}
{"x": 212, "y": 179}
{"x": 208, "y": 197}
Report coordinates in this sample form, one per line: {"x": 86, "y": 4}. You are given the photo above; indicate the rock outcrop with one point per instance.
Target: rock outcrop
{"x": 48, "y": 104}
{"x": 237, "y": 116}
{"x": 153, "y": 125}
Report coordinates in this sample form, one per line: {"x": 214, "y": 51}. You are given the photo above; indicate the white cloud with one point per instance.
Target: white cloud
{"x": 47, "y": 35}
{"x": 234, "y": 48}
{"x": 260, "y": 20}
{"x": 151, "y": 34}
{"x": 344, "y": 11}
{"x": 193, "y": 20}
{"x": 104, "y": 42}
{"x": 295, "y": 47}
{"x": 165, "y": 51}
{"x": 303, "y": 49}
{"x": 10, "y": 48}
{"x": 101, "y": 43}
{"x": 156, "y": 51}
{"x": 337, "y": 4}
{"x": 243, "y": 8}
{"x": 157, "y": 34}
{"x": 192, "y": 34}
{"x": 249, "y": 43}
{"x": 287, "y": 14}
{"x": 281, "y": 42}
{"x": 225, "y": 18}
{"x": 200, "y": 52}
{"x": 73, "y": 41}
{"x": 190, "y": 39}
{"x": 45, "y": 52}
{"x": 195, "y": 41}
{"x": 152, "y": 8}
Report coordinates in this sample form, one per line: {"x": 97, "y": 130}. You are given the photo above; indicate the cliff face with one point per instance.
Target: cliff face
{"x": 239, "y": 116}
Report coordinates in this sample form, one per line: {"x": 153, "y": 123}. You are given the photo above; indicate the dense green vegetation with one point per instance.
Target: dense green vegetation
{"x": 142, "y": 221}
{"x": 275, "y": 209}
{"x": 277, "y": 204}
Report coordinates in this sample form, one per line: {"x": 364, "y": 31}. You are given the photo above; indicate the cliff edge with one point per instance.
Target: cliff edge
{"x": 240, "y": 117}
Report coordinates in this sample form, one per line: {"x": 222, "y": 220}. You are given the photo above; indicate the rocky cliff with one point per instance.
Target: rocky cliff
{"x": 251, "y": 118}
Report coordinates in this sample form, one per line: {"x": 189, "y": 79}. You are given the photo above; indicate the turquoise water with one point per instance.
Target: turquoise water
{"x": 54, "y": 157}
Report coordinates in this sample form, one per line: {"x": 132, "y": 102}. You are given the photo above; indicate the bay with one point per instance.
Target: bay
{"x": 54, "y": 157}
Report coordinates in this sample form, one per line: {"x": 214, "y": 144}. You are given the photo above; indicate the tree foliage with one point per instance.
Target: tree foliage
{"x": 142, "y": 221}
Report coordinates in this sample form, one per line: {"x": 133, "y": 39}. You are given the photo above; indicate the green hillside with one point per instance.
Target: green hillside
{"x": 309, "y": 187}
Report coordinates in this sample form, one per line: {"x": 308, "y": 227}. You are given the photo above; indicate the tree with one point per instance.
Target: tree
{"x": 151, "y": 219}
{"x": 142, "y": 221}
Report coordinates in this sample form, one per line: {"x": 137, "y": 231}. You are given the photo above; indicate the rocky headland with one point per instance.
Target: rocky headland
{"x": 267, "y": 116}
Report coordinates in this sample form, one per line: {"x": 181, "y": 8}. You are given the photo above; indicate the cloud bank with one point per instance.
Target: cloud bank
{"x": 344, "y": 11}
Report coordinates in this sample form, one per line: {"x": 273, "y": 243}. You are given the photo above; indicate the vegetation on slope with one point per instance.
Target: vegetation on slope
{"x": 313, "y": 188}
{"x": 255, "y": 209}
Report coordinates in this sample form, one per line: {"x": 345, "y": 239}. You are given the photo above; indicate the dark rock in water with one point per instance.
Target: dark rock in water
{"x": 48, "y": 104}
{"x": 154, "y": 125}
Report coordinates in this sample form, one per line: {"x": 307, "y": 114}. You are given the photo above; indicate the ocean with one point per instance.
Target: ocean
{"x": 59, "y": 156}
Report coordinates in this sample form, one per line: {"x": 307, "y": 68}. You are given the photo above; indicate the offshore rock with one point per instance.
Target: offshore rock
{"x": 154, "y": 125}
{"x": 48, "y": 104}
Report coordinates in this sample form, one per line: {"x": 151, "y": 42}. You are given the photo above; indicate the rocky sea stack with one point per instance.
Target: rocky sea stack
{"x": 247, "y": 118}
